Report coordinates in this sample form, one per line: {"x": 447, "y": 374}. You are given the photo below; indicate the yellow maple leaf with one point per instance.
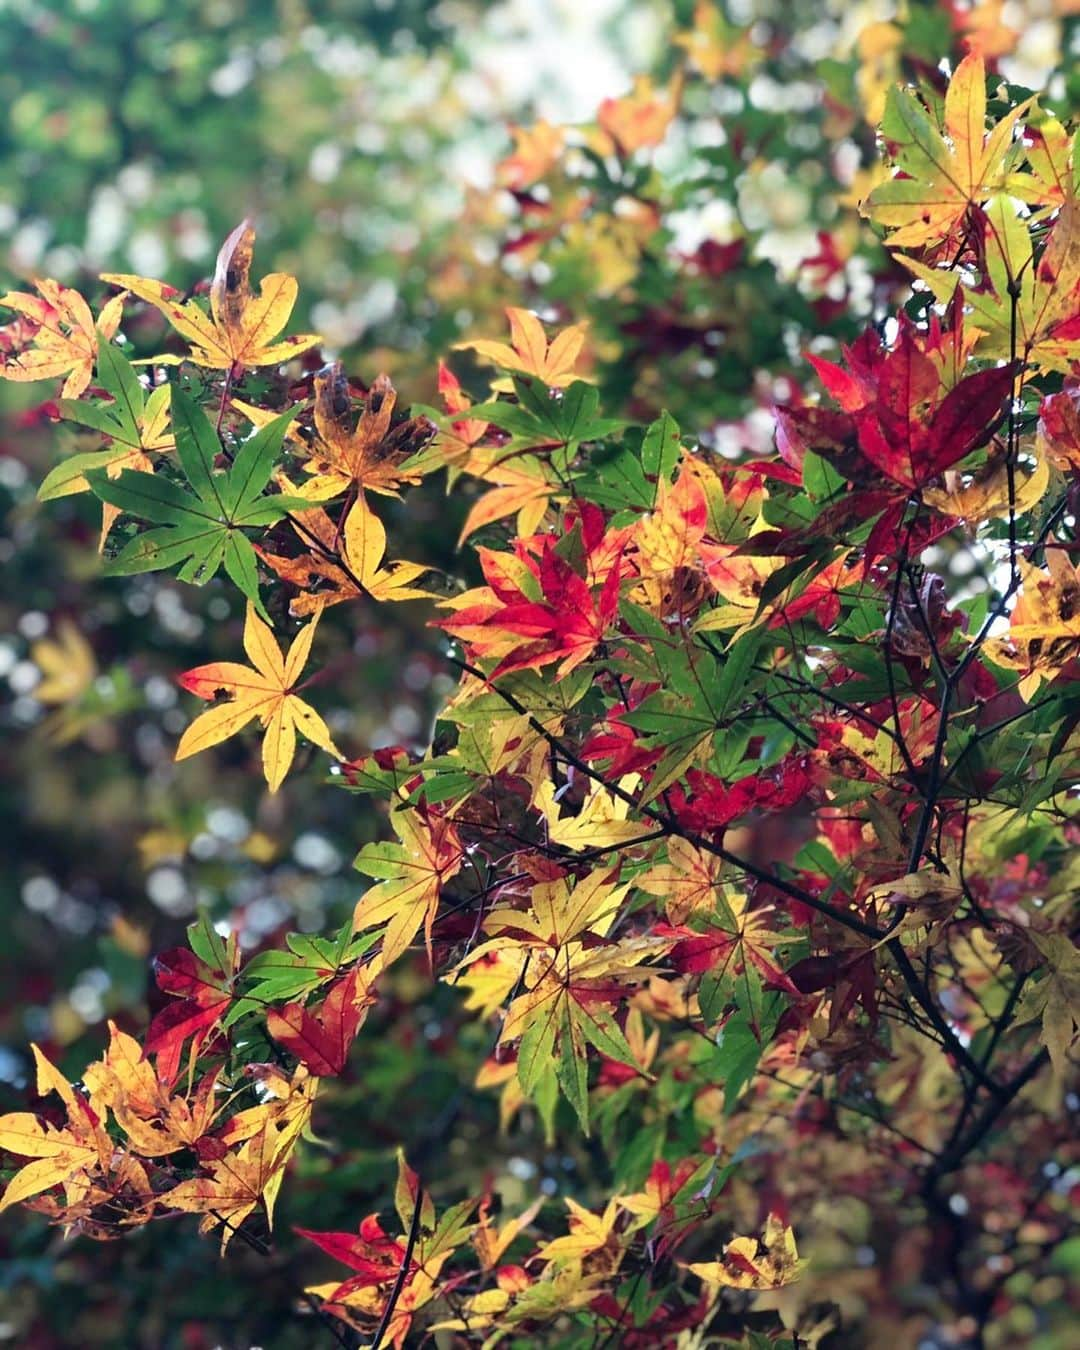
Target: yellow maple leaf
{"x": 600, "y": 823}
{"x": 155, "y": 1121}
{"x": 491, "y": 1243}
{"x": 992, "y": 491}
{"x": 667, "y": 539}
{"x": 265, "y": 690}
{"x": 1020, "y": 309}
{"x": 941, "y": 174}
{"x": 531, "y": 354}
{"x": 589, "y": 1233}
{"x": 879, "y": 46}
{"x": 526, "y": 487}
{"x": 67, "y": 665}
{"x": 1044, "y": 628}
{"x": 57, "y": 336}
{"x": 1049, "y": 180}
{"x": 241, "y": 328}
{"x": 61, "y": 1156}
{"x": 716, "y": 47}
{"x": 768, "y": 1262}
{"x": 361, "y": 547}
{"x": 688, "y": 882}
{"x": 410, "y": 875}
{"x": 251, "y": 1173}
{"x": 235, "y": 1184}
{"x": 570, "y": 978}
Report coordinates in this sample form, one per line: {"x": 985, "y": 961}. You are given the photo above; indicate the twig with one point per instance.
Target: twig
{"x": 403, "y": 1273}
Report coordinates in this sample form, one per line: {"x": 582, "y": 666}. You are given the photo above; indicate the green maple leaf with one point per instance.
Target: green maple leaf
{"x": 201, "y": 527}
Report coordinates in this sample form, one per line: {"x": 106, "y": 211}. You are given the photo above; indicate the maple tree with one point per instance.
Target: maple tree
{"x": 742, "y": 846}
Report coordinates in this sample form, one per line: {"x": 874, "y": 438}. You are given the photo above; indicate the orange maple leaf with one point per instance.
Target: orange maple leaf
{"x": 641, "y": 118}
{"x": 536, "y": 152}
{"x": 367, "y": 453}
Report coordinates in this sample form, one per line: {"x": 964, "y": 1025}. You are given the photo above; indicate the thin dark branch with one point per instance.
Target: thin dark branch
{"x": 953, "y": 1157}
{"x": 403, "y": 1273}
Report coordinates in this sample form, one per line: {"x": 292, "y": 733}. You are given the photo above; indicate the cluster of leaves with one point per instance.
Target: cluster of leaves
{"x": 742, "y": 825}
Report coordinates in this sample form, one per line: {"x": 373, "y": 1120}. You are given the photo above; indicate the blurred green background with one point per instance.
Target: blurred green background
{"x": 370, "y": 144}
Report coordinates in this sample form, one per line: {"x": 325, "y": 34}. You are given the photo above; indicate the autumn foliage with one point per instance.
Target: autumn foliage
{"x": 744, "y": 840}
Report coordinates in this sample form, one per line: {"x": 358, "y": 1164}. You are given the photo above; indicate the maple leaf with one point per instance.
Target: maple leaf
{"x": 1052, "y": 166}
{"x": 1054, "y": 999}
{"x": 360, "y": 544}
{"x": 320, "y": 1038}
{"x": 941, "y": 175}
{"x": 1044, "y": 627}
{"x": 715, "y": 46}
{"x": 234, "y": 1185}
{"x": 537, "y": 149}
{"x": 155, "y": 1121}
{"x": 202, "y": 529}
{"x": 1020, "y": 308}
{"x": 307, "y": 962}
{"x": 600, "y": 823}
{"x": 897, "y": 412}
{"x": 589, "y": 1235}
{"x": 410, "y": 875}
{"x": 286, "y": 1106}
{"x": 531, "y": 354}
{"x": 992, "y": 490}
{"x": 58, "y": 336}
{"x": 136, "y": 425}
{"x": 526, "y": 487}
{"x": 456, "y": 435}
{"x": 370, "y": 453}
{"x": 491, "y": 1243}
{"x": 687, "y": 882}
{"x": 768, "y": 1262}
{"x": 662, "y": 1186}
{"x": 204, "y": 991}
{"x": 236, "y": 1181}
{"x": 572, "y": 974}
{"x": 67, "y": 665}
{"x": 1058, "y": 437}
{"x": 380, "y": 1261}
{"x": 565, "y": 625}
{"x": 61, "y": 1157}
{"x": 641, "y": 118}
{"x": 669, "y": 537}
{"x": 265, "y": 690}
{"x": 370, "y": 1252}
{"x": 241, "y": 327}
{"x": 732, "y": 936}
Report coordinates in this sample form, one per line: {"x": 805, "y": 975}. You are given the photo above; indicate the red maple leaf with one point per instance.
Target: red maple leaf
{"x": 320, "y": 1038}
{"x": 204, "y": 993}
